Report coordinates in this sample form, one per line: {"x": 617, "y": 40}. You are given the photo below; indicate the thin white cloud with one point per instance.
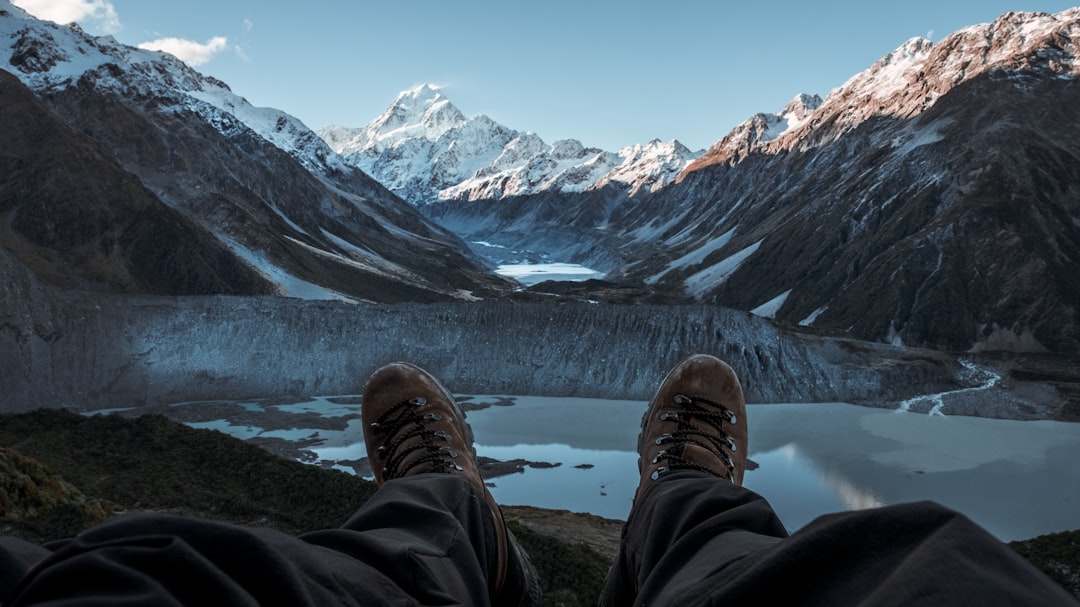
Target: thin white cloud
{"x": 91, "y": 14}
{"x": 190, "y": 52}
{"x": 248, "y": 25}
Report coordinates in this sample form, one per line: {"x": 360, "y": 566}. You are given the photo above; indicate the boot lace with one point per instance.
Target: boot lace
{"x": 407, "y": 420}
{"x": 712, "y": 437}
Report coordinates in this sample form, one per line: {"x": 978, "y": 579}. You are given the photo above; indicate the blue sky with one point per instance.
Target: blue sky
{"x": 607, "y": 73}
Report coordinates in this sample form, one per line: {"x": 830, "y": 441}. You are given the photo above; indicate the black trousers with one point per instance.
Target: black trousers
{"x": 697, "y": 540}
{"x": 429, "y": 540}
{"x": 422, "y": 540}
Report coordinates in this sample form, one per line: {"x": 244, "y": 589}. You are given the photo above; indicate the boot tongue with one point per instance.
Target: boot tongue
{"x": 704, "y": 457}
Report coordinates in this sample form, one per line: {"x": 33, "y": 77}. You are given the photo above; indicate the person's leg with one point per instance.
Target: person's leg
{"x": 692, "y": 454}
{"x": 169, "y": 560}
{"x": 413, "y": 429}
{"x": 424, "y": 540}
{"x": 908, "y": 554}
{"x": 431, "y": 534}
{"x": 695, "y": 539}
{"x": 682, "y": 528}
{"x": 17, "y": 556}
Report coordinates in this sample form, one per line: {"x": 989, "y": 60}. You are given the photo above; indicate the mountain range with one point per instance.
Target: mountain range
{"x": 423, "y": 148}
{"x": 931, "y": 200}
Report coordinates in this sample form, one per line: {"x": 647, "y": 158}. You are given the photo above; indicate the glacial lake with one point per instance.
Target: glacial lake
{"x": 529, "y": 274}
{"x": 1017, "y": 479}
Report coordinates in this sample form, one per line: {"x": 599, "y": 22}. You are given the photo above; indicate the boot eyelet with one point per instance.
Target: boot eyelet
{"x": 663, "y": 438}
{"x": 418, "y": 401}
{"x": 668, "y": 416}
{"x": 682, "y": 399}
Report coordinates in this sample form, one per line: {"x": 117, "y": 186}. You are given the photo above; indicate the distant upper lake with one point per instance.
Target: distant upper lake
{"x": 1017, "y": 479}
{"x": 532, "y": 273}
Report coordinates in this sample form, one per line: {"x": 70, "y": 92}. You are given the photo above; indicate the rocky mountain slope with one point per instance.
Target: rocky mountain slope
{"x": 79, "y": 220}
{"x": 424, "y": 149}
{"x": 933, "y": 199}
{"x": 253, "y": 180}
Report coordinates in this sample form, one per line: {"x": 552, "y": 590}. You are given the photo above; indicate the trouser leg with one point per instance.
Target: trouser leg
{"x": 17, "y": 556}
{"x": 431, "y": 534}
{"x": 681, "y": 529}
{"x": 427, "y": 539}
{"x": 919, "y": 553}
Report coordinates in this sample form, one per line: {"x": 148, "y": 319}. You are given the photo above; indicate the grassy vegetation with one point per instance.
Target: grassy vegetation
{"x": 61, "y": 472}
{"x": 1057, "y": 554}
{"x": 152, "y": 463}
{"x": 36, "y": 504}
{"x": 571, "y": 576}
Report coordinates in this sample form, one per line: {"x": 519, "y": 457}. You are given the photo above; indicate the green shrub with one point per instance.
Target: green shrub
{"x": 570, "y": 575}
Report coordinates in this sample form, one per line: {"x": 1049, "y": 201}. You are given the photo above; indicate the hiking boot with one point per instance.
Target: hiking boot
{"x": 413, "y": 426}
{"x": 696, "y": 421}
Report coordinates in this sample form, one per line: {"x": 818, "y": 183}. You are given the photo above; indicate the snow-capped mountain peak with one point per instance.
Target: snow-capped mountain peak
{"x": 11, "y": 9}
{"x": 913, "y": 77}
{"x": 650, "y": 166}
{"x": 47, "y": 56}
{"x": 420, "y": 112}
{"x": 762, "y": 128}
{"x": 910, "y": 79}
{"x": 424, "y": 149}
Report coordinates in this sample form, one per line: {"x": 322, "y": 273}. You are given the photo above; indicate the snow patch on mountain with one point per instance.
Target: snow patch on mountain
{"x": 771, "y": 307}
{"x": 695, "y": 256}
{"x": 809, "y": 320}
{"x": 717, "y": 274}
{"x": 424, "y": 149}
{"x": 289, "y": 285}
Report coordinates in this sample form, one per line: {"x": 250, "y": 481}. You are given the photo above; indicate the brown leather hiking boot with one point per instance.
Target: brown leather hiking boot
{"x": 412, "y": 426}
{"x": 696, "y": 421}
